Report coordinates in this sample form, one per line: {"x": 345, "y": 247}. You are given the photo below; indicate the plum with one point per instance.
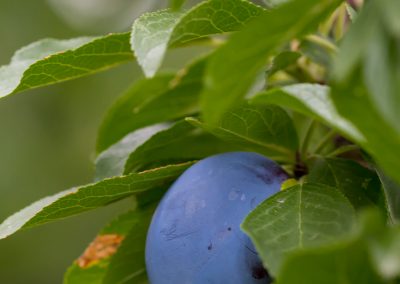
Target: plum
{"x": 195, "y": 235}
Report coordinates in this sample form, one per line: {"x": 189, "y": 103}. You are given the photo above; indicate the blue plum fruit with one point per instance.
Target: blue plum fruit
{"x": 195, "y": 235}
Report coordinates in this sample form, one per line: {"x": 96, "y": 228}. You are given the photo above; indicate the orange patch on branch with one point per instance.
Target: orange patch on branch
{"x": 102, "y": 247}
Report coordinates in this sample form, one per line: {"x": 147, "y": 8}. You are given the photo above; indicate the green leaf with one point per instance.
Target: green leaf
{"x": 367, "y": 80}
{"x": 214, "y": 17}
{"x": 93, "y": 274}
{"x": 91, "y": 268}
{"x": 347, "y": 262}
{"x": 17, "y": 221}
{"x": 128, "y": 264}
{"x": 320, "y": 50}
{"x": 246, "y": 52}
{"x": 153, "y": 33}
{"x": 120, "y": 119}
{"x": 150, "y": 37}
{"x": 385, "y": 249}
{"x": 312, "y": 100}
{"x": 382, "y": 74}
{"x": 274, "y": 3}
{"x": 283, "y": 60}
{"x": 382, "y": 140}
{"x": 181, "y": 142}
{"x": 351, "y": 12}
{"x": 106, "y": 255}
{"x": 303, "y": 216}
{"x": 151, "y": 101}
{"x": 360, "y": 185}
{"x": 266, "y": 129}
{"x": 390, "y": 15}
{"x": 51, "y": 61}
{"x": 176, "y": 4}
{"x": 369, "y": 255}
{"x": 391, "y": 190}
{"x": 81, "y": 199}
{"x": 383, "y": 243}
{"x": 111, "y": 162}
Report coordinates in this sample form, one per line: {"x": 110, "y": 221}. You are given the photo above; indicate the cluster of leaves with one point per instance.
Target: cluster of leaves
{"x": 311, "y": 84}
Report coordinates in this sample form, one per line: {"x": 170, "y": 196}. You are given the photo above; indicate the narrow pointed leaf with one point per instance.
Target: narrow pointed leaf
{"x": 372, "y": 44}
{"x": 128, "y": 265}
{"x": 181, "y": 142}
{"x": 150, "y": 37}
{"x": 92, "y": 265}
{"x": 366, "y": 81}
{"x": 111, "y": 162}
{"x": 154, "y": 32}
{"x": 151, "y": 101}
{"x": 19, "y": 219}
{"x": 89, "y": 197}
{"x": 266, "y": 129}
{"x": 391, "y": 190}
{"x": 242, "y": 60}
{"x": 51, "y": 61}
{"x": 120, "y": 119}
{"x": 104, "y": 253}
{"x": 351, "y": 100}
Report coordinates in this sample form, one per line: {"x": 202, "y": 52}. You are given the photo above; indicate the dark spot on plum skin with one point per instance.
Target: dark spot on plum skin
{"x": 259, "y": 272}
{"x": 229, "y": 229}
{"x": 265, "y": 178}
{"x": 274, "y": 173}
{"x": 210, "y": 246}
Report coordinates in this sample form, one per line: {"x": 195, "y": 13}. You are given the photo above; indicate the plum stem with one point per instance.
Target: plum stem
{"x": 340, "y": 22}
{"x": 342, "y": 150}
{"x": 307, "y": 139}
{"x": 324, "y": 141}
{"x": 300, "y": 168}
{"x": 323, "y": 42}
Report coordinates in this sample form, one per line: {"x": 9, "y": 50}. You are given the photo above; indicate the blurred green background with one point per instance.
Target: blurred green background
{"x": 48, "y": 135}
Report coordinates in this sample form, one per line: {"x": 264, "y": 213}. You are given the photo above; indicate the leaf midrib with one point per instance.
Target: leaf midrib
{"x": 300, "y": 225}
{"x": 274, "y": 147}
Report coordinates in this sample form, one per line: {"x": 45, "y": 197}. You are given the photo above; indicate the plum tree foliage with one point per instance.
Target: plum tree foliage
{"x": 311, "y": 85}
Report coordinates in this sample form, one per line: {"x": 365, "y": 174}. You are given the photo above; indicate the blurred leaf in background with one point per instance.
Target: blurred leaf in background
{"x": 99, "y": 15}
